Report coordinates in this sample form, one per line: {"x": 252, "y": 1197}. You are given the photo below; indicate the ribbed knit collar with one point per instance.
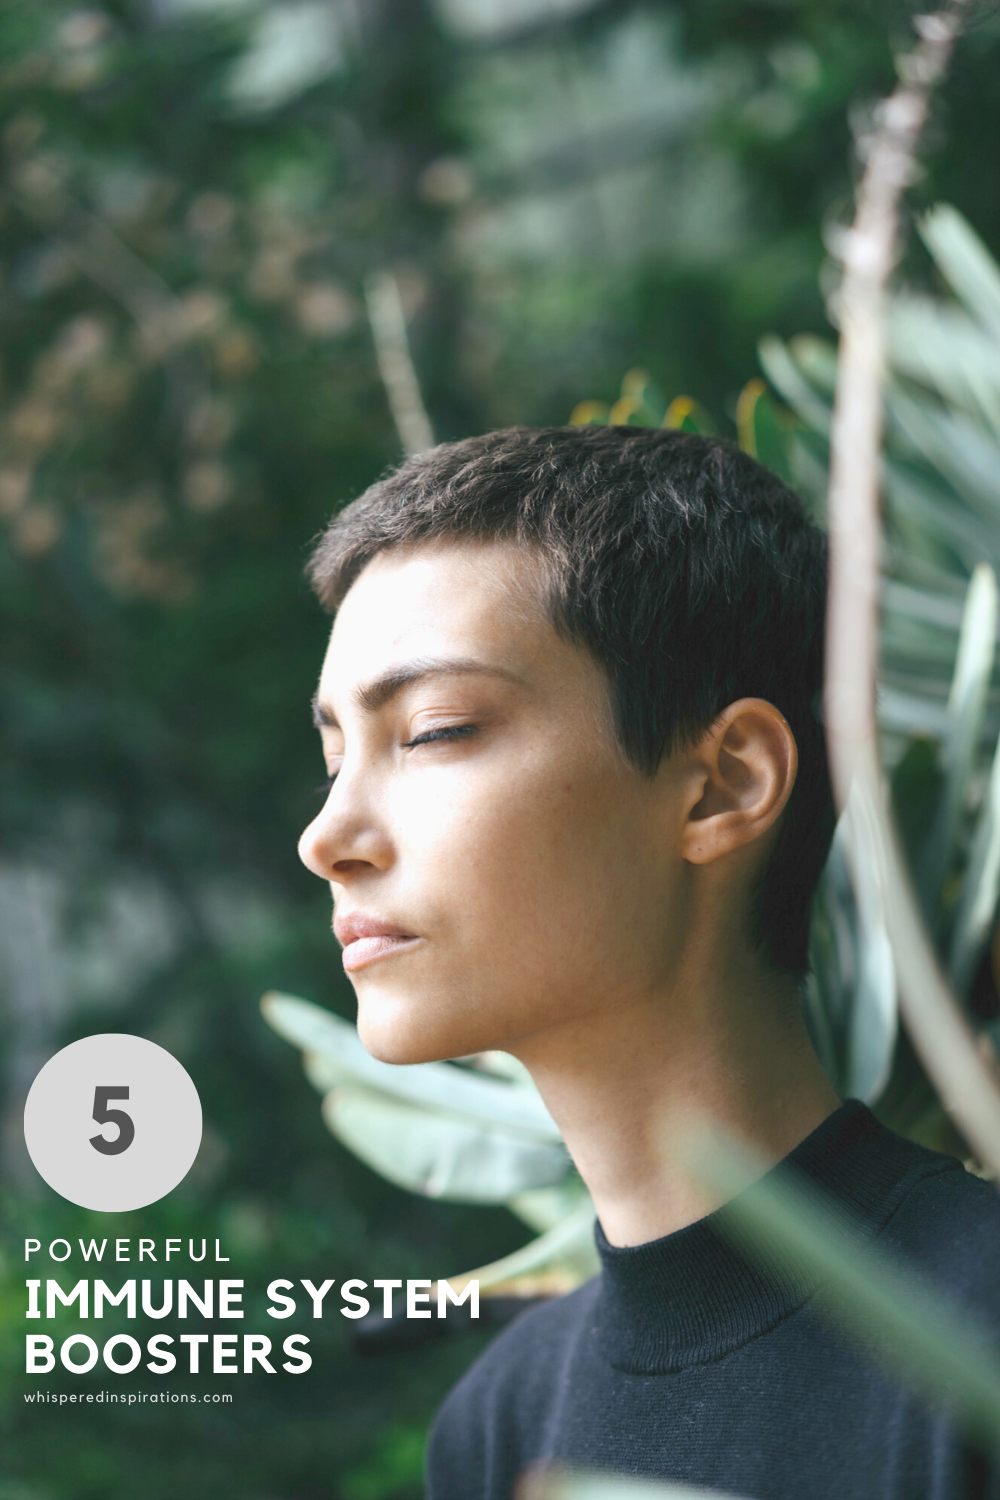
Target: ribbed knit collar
{"x": 692, "y": 1297}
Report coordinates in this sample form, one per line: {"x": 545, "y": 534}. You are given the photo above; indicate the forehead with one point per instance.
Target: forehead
{"x": 437, "y": 599}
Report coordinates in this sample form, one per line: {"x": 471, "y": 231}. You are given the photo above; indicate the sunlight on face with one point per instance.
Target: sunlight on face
{"x": 497, "y": 867}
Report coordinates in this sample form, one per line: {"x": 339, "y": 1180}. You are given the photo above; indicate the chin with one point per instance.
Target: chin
{"x": 414, "y": 1029}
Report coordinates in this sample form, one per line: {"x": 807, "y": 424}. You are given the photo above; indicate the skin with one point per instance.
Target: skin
{"x": 547, "y": 898}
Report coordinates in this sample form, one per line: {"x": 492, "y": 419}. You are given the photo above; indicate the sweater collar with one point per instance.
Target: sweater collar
{"x": 691, "y": 1297}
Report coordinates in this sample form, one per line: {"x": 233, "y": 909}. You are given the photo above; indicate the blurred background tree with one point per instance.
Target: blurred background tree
{"x": 193, "y": 193}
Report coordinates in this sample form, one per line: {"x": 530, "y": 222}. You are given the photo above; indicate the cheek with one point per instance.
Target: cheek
{"x": 536, "y": 882}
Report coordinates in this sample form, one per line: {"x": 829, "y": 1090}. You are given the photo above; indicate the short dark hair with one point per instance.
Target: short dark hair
{"x": 688, "y": 570}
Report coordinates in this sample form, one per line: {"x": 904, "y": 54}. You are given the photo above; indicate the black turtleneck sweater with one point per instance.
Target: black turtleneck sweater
{"x": 683, "y": 1361}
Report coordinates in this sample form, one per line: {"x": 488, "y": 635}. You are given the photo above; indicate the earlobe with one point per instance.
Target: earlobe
{"x": 747, "y": 762}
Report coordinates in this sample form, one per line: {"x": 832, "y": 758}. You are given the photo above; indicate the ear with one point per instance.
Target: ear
{"x": 746, "y": 765}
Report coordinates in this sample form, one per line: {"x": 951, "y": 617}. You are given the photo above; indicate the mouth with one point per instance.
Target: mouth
{"x": 365, "y": 951}
{"x": 366, "y": 940}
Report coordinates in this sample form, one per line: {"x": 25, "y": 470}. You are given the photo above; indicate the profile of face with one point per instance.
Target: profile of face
{"x": 497, "y": 865}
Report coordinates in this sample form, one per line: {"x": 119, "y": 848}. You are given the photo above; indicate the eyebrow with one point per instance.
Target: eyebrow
{"x": 371, "y": 696}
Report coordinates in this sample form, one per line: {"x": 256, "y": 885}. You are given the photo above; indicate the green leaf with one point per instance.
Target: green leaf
{"x": 916, "y": 788}
{"x": 915, "y": 501}
{"x": 901, "y": 711}
{"x": 684, "y": 414}
{"x": 430, "y": 1152}
{"x": 981, "y": 887}
{"x": 942, "y": 610}
{"x": 783, "y": 373}
{"x": 568, "y": 1247}
{"x": 816, "y": 359}
{"x": 396, "y": 1466}
{"x": 965, "y": 263}
{"x": 543, "y": 1208}
{"x": 437, "y": 1085}
{"x": 966, "y": 706}
{"x": 854, "y": 969}
{"x": 576, "y": 1484}
{"x": 764, "y": 430}
{"x": 935, "y": 343}
{"x": 957, "y": 446}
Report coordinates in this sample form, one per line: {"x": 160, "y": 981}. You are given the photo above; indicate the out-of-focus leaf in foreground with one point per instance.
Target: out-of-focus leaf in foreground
{"x": 896, "y": 1314}
{"x": 576, "y": 1484}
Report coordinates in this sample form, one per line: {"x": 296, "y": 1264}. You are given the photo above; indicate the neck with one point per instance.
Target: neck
{"x": 622, "y": 1081}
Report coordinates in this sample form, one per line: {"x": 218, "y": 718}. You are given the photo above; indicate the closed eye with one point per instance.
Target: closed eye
{"x": 454, "y": 732}
{"x": 451, "y": 732}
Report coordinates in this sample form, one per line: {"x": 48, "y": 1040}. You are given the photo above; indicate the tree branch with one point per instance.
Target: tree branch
{"x": 868, "y": 250}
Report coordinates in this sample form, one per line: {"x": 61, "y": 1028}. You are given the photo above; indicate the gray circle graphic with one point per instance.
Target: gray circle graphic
{"x": 112, "y": 1122}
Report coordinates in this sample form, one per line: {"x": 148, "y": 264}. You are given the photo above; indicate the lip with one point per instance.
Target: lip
{"x": 366, "y": 939}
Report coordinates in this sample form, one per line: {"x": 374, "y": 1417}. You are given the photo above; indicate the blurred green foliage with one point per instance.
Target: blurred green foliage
{"x": 187, "y": 389}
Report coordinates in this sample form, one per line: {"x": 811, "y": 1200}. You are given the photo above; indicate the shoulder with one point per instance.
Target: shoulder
{"x": 946, "y": 1221}
{"x": 528, "y": 1351}
{"x": 497, "y": 1411}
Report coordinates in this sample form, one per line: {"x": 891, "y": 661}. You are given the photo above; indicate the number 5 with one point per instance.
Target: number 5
{"x": 105, "y": 1116}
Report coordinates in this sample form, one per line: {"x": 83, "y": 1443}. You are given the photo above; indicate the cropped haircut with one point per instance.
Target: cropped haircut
{"x": 689, "y": 571}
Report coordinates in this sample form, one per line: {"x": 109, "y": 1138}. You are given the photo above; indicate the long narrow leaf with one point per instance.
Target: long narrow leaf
{"x": 910, "y": 713}
{"x": 959, "y": 448}
{"x": 981, "y": 889}
{"x": 966, "y": 707}
{"x": 783, "y": 373}
{"x": 576, "y": 1484}
{"x": 871, "y": 1031}
{"x": 965, "y": 263}
{"x": 568, "y": 1246}
{"x": 921, "y": 604}
{"x": 938, "y": 345}
{"x": 935, "y": 512}
{"x": 933, "y": 1345}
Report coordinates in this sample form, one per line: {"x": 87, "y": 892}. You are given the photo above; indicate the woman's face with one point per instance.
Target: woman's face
{"x": 497, "y": 866}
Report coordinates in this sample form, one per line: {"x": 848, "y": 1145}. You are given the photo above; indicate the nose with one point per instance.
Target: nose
{"x": 347, "y": 837}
